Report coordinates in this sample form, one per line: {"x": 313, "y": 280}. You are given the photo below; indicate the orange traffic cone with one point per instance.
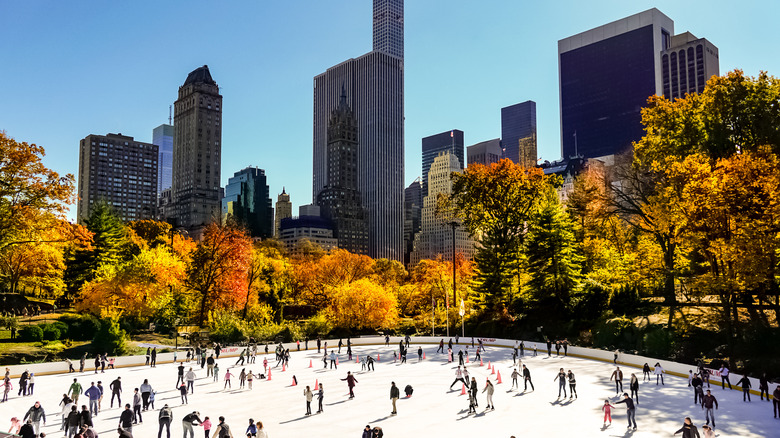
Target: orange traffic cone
{"x": 294, "y": 382}
{"x": 357, "y": 359}
{"x": 467, "y": 359}
{"x": 337, "y": 361}
{"x": 269, "y": 374}
{"x": 493, "y": 370}
{"x": 377, "y": 357}
{"x": 309, "y": 363}
{"x": 498, "y": 378}
{"x": 423, "y": 355}
{"x": 463, "y": 390}
{"x": 283, "y": 367}
{"x": 316, "y": 383}
{"x": 489, "y": 365}
{"x": 480, "y": 361}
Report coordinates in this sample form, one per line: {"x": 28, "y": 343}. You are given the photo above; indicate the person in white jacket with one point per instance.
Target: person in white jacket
{"x": 659, "y": 373}
{"x": 490, "y": 389}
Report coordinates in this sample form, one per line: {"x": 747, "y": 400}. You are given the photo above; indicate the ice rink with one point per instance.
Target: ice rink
{"x": 433, "y": 410}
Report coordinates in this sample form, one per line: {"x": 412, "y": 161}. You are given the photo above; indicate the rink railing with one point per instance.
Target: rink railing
{"x": 624, "y": 359}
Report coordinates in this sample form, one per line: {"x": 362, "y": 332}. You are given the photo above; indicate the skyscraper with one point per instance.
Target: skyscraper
{"x": 518, "y": 133}
{"x": 374, "y": 88}
{"x": 162, "y": 136}
{"x": 485, "y": 152}
{"x": 412, "y": 217}
{"x": 248, "y": 202}
{"x": 283, "y": 210}
{"x": 436, "y": 236}
{"x": 339, "y": 201}
{"x": 687, "y": 65}
{"x": 120, "y": 171}
{"x": 197, "y": 148}
{"x": 434, "y": 144}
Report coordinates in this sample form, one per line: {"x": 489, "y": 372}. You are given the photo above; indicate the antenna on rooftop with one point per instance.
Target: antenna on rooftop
{"x": 169, "y": 114}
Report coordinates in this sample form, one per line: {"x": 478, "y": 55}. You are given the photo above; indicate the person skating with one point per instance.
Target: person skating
{"x": 75, "y": 390}
{"x": 527, "y": 379}
{"x": 249, "y": 378}
{"x": 228, "y": 375}
{"x": 490, "y": 389}
{"x": 370, "y": 364}
{"x": 27, "y": 430}
{"x": 183, "y": 393}
{"x": 190, "y": 377}
{"x": 137, "y": 406}
{"x": 82, "y": 362}
{"x": 549, "y": 348}
{"x": 561, "y": 378}
{"x": 146, "y": 391}
{"x": 659, "y": 373}
{"x": 251, "y": 430}
{"x": 708, "y": 401}
{"x": 154, "y": 357}
{"x": 472, "y": 400}
{"x": 698, "y": 389}
{"x": 565, "y": 343}
{"x": 241, "y": 357}
{"x": 73, "y": 422}
{"x": 367, "y": 433}
{"x": 633, "y": 386}
{"x": 441, "y": 346}
{"x": 206, "y": 426}
{"x": 646, "y": 372}
{"x": 420, "y": 356}
{"x": 325, "y": 360}
{"x": 309, "y": 397}
{"x": 318, "y": 344}
{"x": 618, "y": 376}
{"x": 776, "y": 401}
{"x": 148, "y": 355}
{"x": 333, "y": 360}
{"x": 126, "y": 418}
{"x": 242, "y": 378}
{"x": 100, "y": 400}
{"x": 460, "y": 358}
{"x": 67, "y": 405}
{"x": 6, "y": 389}
{"x": 216, "y": 372}
{"x": 473, "y": 391}
{"x": 210, "y": 366}
{"x": 515, "y": 375}
{"x": 93, "y": 393}
{"x": 222, "y": 430}
{"x": 707, "y": 432}
{"x": 190, "y": 420}
{"x": 522, "y": 348}
{"x": 688, "y": 429}
{"x": 607, "y": 408}
{"x": 724, "y": 376}
{"x": 557, "y": 348}
{"x": 449, "y": 355}
{"x": 458, "y": 377}
{"x": 97, "y": 363}
{"x": 763, "y": 386}
{"x": 70, "y": 365}
{"x": 180, "y": 374}
{"x": 394, "y": 396}
{"x": 164, "y": 419}
{"x": 31, "y": 384}
{"x": 116, "y": 391}
{"x": 320, "y": 397}
{"x": 616, "y": 355}
{"x": 572, "y": 385}
{"x": 630, "y": 410}
{"x": 351, "y": 381}
{"x": 745, "y": 383}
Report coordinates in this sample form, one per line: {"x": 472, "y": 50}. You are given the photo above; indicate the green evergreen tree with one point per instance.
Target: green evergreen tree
{"x": 110, "y": 246}
{"x": 110, "y": 338}
{"x": 554, "y": 262}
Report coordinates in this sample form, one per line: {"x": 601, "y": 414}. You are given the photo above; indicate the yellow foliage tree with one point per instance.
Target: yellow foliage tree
{"x": 362, "y": 304}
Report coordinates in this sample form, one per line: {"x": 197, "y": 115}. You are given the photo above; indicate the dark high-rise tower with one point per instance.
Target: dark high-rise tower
{"x": 518, "y": 133}
{"x": 389, "y": 27}
{"x": 197, "y": 148}
{"x": 412, "y": 217}
{"x": 339, "y": 201}
{"x": 431, "y": 146}
{"x": 248, "y": 202}
{"x": 374, "y": 89}
{"x": 162, "y": 136}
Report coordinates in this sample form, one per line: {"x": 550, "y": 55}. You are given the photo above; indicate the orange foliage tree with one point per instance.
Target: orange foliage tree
{"x": 217, "y": 273}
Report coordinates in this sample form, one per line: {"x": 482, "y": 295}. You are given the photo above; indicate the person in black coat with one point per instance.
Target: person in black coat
{"x": 27, "y": 430}
{"x": 126, "y": 418}
{"x": 630, "y": 409}
{"x": 527, "y": 379}
{"x": 86, "y": 417}
{"x": 688, "y": 429}
{"x": 367, "y": 432}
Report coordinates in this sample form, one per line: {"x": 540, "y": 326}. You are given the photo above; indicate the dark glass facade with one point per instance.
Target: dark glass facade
{"x": 518, "y": 122}
{"x": 604, "y": 85}
{"x": 248, "y": 202}
{"x": 431, "y": 146}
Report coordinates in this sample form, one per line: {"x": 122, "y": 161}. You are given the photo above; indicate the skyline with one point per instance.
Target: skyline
{"x": 462, "y": 65}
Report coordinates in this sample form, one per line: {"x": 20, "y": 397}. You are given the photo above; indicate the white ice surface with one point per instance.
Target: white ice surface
{"x": 433, "y": 410}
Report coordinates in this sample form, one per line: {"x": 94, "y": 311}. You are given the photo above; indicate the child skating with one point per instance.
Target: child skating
{"x": 607, "y": 408}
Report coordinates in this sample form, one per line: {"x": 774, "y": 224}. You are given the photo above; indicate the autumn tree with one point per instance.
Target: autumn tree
{"x": 217, "y": 273}
{"x": 362, "y": 304}
{"x": 495, "y": 203}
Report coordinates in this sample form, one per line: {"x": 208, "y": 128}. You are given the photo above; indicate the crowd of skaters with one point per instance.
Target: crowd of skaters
{"x": 78, "y": 423}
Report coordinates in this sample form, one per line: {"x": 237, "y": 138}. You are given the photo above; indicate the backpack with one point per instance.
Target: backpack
{"x": 224, "y": 431}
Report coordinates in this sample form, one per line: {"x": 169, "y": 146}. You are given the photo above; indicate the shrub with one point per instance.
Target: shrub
{"x": 50, "y": 332}
{"x": 31, "y": 333}
{"x": 9, "y": 322}
{"x": 287, "y": 332}
{"x": 625, "y": 300}
{"x": 616, "y": 333}
{"x": 62, "y": 327}
{"x": 110, "y": 338}
{"x": 226, "y": 328}
{"x": 319, "y": 325}
{"x": 657, "y": 343}
{"x": 80, "y": 327}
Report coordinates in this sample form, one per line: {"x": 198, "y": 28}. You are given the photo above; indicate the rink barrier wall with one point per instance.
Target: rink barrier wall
{"x": 624, "y": 359}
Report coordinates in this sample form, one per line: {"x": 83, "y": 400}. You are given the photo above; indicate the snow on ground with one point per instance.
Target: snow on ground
{"x": 433, "y": 410}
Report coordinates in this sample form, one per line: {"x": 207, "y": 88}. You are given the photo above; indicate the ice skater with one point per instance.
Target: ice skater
{"x": 630, "y": 410}
{"x": 572, "y": 385}
{"x": 320, "y": 397}
{"x": 618, "y": 376}
{"x": 228, "y": 375}
{"x": 333, "y": 363}
{"x": 607, "y": 408}
{"x": 180, "y": 375}
{"x": 309, "y": 397}
{"x": 561, "y": 378}
{"x": 490, "y": 389}
{"x": 646, "y": 372}
{"x": 394, "y": 396}
{"x": 745, "y": 383}
{"x": 633, "y": 386}
{"x": 688, "y": 429}
{"x": 708, "y": 401}
{"x": 441, "y": 346}
{"x": 458, "y": 377}
{"x": 515, "y": 375}
{"x": 527, "y": 379}
{"x": 659, "y": 373}
{"x": 351, "y": 381}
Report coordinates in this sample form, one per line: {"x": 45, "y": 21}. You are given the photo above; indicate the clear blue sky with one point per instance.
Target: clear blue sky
{"x": 73, "y": 68}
